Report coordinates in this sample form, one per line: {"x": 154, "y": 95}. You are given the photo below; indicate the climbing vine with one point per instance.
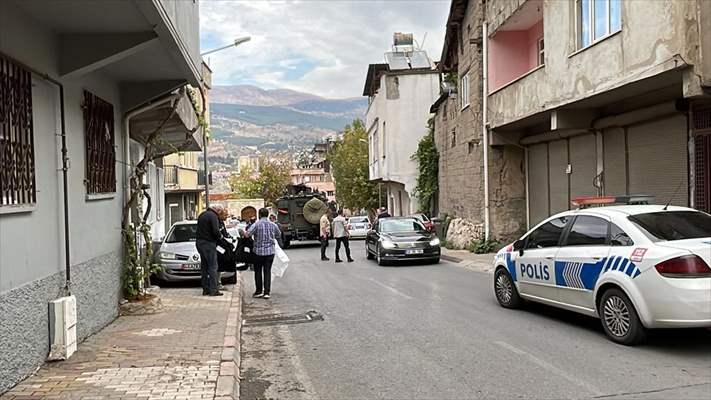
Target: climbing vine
{"x": 427, "y": 159}
{"x": 138, "y": 254}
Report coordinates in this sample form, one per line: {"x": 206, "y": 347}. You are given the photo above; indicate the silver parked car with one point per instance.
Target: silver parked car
{"x": 178, "y": 256}
{"x": 358, "y": 227}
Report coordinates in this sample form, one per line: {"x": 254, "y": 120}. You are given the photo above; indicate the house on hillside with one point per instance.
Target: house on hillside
{"x": 400, "y": 93}
{"x": 84, "y": 86}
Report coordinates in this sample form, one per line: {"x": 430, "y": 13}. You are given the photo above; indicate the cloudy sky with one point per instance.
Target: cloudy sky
{"x": 320, "y": 47}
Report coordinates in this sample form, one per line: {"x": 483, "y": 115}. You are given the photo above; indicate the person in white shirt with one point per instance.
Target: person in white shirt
{"x": 340, "y": 232}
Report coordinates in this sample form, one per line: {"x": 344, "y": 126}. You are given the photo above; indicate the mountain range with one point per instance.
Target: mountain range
{"x": 247, "y": 119}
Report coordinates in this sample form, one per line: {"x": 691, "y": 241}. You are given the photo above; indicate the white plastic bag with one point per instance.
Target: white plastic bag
{"x": 281, "y": 261}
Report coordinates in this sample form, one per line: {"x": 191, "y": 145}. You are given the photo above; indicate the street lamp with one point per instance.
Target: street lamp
{"x": 236, "y": 43}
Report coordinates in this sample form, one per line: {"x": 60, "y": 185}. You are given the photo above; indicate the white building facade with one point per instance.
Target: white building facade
{"x": 396, "y": 119}
{"x": 81, "y": 84}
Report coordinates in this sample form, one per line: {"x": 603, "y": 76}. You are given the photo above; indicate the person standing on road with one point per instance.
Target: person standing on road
{"x": 209, "y": 226}
{"x": 340, "y": 232}
{"x": 264, "y": 233}
{"x": 325, "y": 231}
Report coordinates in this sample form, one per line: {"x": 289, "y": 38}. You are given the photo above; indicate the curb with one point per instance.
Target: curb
{"x": 450, "y": 258}
{"x": 228, "y": 379}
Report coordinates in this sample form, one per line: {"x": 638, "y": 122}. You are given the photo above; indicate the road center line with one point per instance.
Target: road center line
{"x": 390, "y": 288}
{"x": 550, "y": 367}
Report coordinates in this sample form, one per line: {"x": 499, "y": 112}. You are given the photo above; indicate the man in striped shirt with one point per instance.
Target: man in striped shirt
{"x": 264, "y": 232}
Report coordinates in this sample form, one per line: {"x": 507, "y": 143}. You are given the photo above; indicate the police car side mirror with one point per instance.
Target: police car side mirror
{"x": 518, "y": 246}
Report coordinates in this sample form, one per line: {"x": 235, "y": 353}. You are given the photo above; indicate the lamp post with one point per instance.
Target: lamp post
{"x": 236, "y": 43}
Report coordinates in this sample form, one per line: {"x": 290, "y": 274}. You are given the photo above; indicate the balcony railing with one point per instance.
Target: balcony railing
{"x": 171, "y": 175}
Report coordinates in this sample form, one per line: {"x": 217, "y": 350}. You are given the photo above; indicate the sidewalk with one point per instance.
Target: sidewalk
{"x": 187, "y": 351}
{"x": 467, "y": 259}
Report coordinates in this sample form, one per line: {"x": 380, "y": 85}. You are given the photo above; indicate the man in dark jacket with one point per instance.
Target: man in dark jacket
{"x": 209, "y": 226}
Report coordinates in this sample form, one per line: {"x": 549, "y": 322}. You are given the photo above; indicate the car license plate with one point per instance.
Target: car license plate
{"x": 414, "y": 251}
{"x": 191, "y": 267}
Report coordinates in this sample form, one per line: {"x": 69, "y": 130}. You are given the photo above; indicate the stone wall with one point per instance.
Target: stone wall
{"x": 24, "y": 319}
{"x": 459, "y": 139}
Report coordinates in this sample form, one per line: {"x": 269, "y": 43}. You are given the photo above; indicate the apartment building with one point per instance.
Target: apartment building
{"x": 400, "y": 93}
{"x": 82, "y": 86}
{"x": 605, "y": 97}
{"x": 580, "y": 98}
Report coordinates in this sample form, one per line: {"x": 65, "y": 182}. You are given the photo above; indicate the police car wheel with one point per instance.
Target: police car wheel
{"x": 505, "y": 290}
{"x": 368, "y": 255}
{"x": 619, "y": 318}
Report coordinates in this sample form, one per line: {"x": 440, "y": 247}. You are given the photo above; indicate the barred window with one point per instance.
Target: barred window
{"x": 100, "y": 150}
{"x": 17, "y": 155}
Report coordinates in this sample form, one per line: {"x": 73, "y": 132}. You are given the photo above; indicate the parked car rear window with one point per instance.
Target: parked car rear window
{"x": 401, "y": 225}
{"x": 674, "y": 225}
{"x": 182, "y": 233}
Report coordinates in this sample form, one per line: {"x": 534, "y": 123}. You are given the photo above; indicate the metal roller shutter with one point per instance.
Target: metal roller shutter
{"x": 583, "y": 159}
{"x": 614, "y": 162}
{"x": 558, "y": 179}
{"x": 538, "y": 182}
{"x": 658, "y": 157}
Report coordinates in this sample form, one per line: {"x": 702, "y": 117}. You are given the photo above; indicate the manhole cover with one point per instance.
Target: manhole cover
{"x": 282, "y": 319}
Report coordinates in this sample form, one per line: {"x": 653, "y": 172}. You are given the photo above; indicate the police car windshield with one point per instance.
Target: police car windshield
{"x": 182, "y": 233}
{"x": 674, "y": 225}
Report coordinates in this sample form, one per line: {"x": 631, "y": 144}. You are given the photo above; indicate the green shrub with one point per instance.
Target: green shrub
{"x": 483, "y": 246}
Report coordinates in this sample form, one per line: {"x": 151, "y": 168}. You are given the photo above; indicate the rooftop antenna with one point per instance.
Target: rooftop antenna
{"x": 673, "y": 196}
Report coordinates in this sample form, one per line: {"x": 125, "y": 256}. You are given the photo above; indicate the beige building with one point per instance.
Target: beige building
{"x": 315, "y": 178}
{"x": 580, "y": 98}
{"x": 616, "y": 103}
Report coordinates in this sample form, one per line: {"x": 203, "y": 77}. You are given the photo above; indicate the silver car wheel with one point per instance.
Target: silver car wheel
{"x": 616, "y": 316}
{"x": 504, "y": 288}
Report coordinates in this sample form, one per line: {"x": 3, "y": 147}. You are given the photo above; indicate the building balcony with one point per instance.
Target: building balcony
{"x": 180, "y": 179}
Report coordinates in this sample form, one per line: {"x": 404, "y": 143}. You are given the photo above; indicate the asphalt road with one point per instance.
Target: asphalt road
{"x": 437, "y": 332}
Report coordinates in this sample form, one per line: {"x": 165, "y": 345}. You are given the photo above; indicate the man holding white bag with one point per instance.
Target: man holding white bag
{"x": 264, "y": 233}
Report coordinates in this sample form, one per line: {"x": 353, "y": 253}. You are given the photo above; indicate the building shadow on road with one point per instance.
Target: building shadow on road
{"x": 677, "y": 341}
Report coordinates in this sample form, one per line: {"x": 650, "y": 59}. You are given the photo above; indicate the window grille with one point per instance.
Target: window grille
{"x": 702, "y": 167}
{"x": 100, "y": 150}
{"x": 17, "y": 155}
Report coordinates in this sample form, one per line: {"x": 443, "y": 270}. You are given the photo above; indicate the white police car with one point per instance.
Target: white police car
{"x": 633, "y": 266}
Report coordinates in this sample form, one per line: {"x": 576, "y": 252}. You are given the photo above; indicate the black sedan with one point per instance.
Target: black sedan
{"x": 401, "y": 238}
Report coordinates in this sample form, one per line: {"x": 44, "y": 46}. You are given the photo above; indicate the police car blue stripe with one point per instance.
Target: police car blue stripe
{"x": 607, "y": 263}
{"x": 623, "y": 265}
{"x": 630, "y": 269}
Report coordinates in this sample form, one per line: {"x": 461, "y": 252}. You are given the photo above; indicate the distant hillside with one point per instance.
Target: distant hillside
{"x": 247, "y": 119}
{"x": 272, "y": 115}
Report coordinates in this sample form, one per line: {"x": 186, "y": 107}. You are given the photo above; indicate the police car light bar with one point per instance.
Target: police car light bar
{"x": 587, "y": 201}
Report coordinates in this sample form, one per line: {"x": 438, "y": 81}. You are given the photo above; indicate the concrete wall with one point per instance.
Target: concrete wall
{"x": 402, "y": 121}
{"x": 183, "y": 15}
{"x": 653, "y": 33}
{"x": 32, "y": 242}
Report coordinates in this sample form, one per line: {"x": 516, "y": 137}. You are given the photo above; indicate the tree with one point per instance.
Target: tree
{"x": 349, "y": 161}
{"x": 427, "y": 159}
{"x": 268, "y": 184}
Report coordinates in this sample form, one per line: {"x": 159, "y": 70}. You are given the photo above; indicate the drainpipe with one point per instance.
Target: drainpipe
{"x": 65, "y": 166}
{"x": 484, "y": 130}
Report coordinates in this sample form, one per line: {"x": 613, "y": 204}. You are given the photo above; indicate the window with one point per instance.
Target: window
{"x": 470, "y": 146}
{"x": 541, "y": 52}
{"x": 464, "y": 91}
{"x": 17, "y": 154}
{"x": 453, "y": 138}
{"x": 547, "y": 235}
{"x": 674, "y": 225}
{"x": 597, "y": 19}
{"x": 588, "y": 231}
{"x": 618, "y": 237}
{"x": 100, "y": 150}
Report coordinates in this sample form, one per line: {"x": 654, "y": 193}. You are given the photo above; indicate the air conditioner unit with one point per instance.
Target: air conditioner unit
{"x": 62, "y": 328}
